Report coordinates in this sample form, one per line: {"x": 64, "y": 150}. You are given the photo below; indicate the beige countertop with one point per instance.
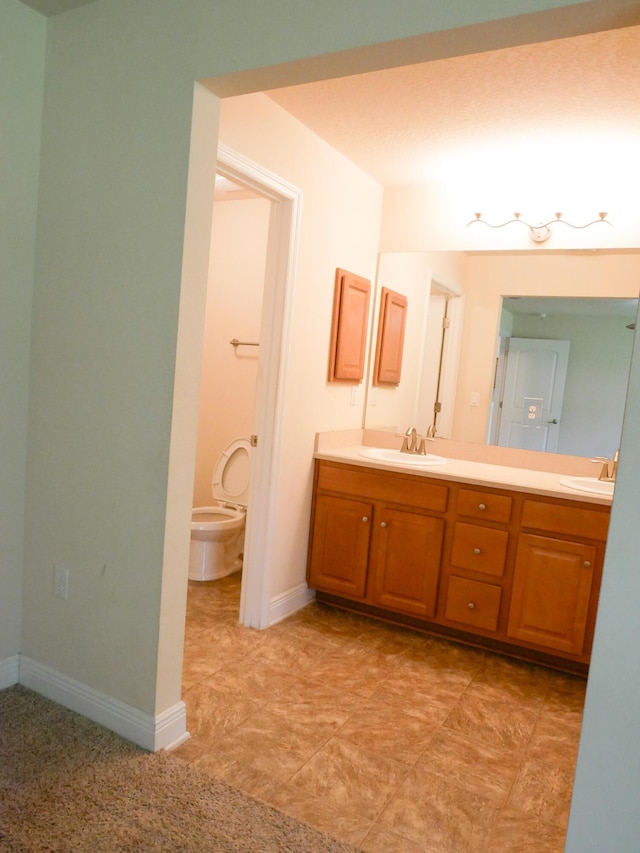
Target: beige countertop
{"x": 476, "y": 473}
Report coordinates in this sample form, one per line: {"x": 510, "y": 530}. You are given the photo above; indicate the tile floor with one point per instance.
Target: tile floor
{"x": 390, "y": 740}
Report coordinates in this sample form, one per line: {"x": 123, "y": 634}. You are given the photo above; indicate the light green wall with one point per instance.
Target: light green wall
{"x": 119, "y": 87}
{"x": 22, "y": 48}
{"x": 597, "y": 375}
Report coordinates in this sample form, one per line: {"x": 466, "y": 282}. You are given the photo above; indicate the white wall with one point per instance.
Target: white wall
{"x": 234, "y": 309}
{"x": 340, "y": 224}
{"x": 22, "y": 49}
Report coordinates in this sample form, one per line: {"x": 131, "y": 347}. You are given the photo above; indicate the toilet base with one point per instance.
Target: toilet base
{"x": 210, "y": 560}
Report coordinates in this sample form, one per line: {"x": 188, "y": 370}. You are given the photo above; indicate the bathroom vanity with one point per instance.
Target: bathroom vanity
{"x": 507, "y": 560}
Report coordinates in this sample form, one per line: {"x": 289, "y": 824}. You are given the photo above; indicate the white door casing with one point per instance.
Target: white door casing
{"x": 282, "y": 248}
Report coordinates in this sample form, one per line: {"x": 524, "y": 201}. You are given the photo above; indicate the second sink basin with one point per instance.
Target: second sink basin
{"x": 413, "y": 460}
{"x": 588, "y": 484}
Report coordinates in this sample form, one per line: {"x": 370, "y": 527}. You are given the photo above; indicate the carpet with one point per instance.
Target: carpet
{"x": 68, "y": 785}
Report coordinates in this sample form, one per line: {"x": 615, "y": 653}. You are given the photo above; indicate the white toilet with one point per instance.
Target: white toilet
{"x": 217, "y": 532}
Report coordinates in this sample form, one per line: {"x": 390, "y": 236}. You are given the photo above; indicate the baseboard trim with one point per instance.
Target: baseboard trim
{"x": 165, "y": 730}
{"x": 289, "y": 602}
{"x": 9, "y": 671}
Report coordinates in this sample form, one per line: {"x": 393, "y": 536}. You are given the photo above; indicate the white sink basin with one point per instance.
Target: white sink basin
{"x": 412, "y": 460}
{"x": 588, "y": 484}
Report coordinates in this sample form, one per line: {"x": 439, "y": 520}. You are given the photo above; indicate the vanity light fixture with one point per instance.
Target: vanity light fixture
{"x": 541, "y": 232}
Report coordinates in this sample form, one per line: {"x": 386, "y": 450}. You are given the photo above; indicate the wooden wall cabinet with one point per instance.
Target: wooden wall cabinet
{"x": 390, "y": 340}
{"x": 349, "y": 325}
{"x": 500, "y": 569}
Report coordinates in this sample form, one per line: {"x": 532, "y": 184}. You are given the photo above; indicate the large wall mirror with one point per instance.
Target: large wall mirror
{"x": 488, "y": 301}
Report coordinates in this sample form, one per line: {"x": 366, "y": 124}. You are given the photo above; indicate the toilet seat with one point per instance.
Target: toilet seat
{"x": 230, "y": 483}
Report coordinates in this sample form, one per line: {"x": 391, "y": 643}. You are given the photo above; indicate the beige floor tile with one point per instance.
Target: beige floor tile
{"x": 201, "y": 661}
{"x": 383, "y": 737}
{"x": 389, "y": 731}
{"x": 543, "y": 786}
{"x": 256, "y": 782}
{"x": 311, "y": 702}
{"x": 211, "y": 712}
{"x": 513, "y": 679}
{"x": 272, "y": 744}
{"x": 440, "y": 815}
{"x": 284, "y": 652}
{"x": 494, "y": 720}
{"x": 488, "y": 771}
{"x": 322, "y": 814}
{"x": 519, "y": 832}
{"x": 253, "y": 679}
{"x": 428, "y": 690}
{"x": 355, "y": 669}
{"x": 381, "y": 841}
{"x": 348, "y": 777}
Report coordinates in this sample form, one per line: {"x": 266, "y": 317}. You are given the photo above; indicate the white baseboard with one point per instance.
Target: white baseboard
{"x": 165, "y": 730}
{"x": 9, "y": 671}
{"x": 288, "y": 602}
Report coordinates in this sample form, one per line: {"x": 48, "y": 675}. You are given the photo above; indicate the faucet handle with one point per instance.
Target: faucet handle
{"x": 604, "y": 472}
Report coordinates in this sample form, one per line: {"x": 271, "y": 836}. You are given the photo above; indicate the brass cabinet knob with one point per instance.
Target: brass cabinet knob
{"x": 587, "y": 564}
{"x": 471, "y": 605}
{"x": 482, "y": 506}
{"x": 476, "y": 550}
{"x": 383, "y": 524}
{"x": 365, "y": 518}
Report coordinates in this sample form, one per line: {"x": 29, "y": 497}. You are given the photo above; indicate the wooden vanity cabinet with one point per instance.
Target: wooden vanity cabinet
{"x": 556, "y": 578}
{"x": 500, "y": 569}
{"x": 405, "y": 560}
{"x": 476, "y": 581}
{"x": 339, "y": 553}
{"x": 376, "y": 538}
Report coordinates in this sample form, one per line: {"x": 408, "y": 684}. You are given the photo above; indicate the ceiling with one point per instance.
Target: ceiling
{"x": 560, "y": 107}
{"x": 560, "y": 104}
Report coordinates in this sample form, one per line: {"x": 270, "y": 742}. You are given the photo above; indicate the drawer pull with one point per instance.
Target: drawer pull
{"x": 587, "y": 564}
{"x": 365, "y": 518}
{"x": 471, "y": 605}
{"x": 383, "y": 524}
{"x": 482, "y": 506}
{"x": 476, "y": 550}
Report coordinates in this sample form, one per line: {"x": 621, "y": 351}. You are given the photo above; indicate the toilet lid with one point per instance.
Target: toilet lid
{"x": 231, "y": 475}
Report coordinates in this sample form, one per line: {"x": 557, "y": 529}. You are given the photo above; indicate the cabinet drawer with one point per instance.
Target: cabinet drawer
{"x": 484, "y": 505}
{"x": 380, "y": 485}
{"x": 568, "y": 520}
{"x": 479, "y": 549}
{"x": 473, "y": 603}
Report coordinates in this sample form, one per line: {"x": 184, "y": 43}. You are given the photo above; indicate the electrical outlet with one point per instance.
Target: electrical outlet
{"x": 61, "y": 582}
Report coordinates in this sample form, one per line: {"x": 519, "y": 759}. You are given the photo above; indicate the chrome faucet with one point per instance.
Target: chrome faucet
{"x": 608, "y": 473}
{"x": 414, "y": 443}
{"x": 409, "y": 441}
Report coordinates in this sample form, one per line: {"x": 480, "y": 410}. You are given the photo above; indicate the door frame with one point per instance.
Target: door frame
{"x": 275, "y": 327}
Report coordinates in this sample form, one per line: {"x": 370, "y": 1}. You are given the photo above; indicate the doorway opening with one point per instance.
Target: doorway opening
{"x": 279, "y": 268}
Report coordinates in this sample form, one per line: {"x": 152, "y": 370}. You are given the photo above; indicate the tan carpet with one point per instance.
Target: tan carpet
{"x": 70, "y": 786}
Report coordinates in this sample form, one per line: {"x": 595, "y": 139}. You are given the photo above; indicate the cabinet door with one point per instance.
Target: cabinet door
{"x": 349, "y": 327}
{"x": 340, "y": 546}
{"x": 551, "y": 590}
{"x": 405, "y": 561}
